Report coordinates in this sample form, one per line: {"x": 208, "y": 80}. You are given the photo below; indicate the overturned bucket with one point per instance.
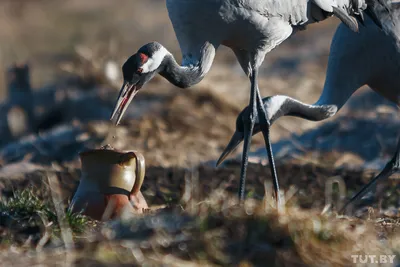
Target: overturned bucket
{"x": 110, "y": 182}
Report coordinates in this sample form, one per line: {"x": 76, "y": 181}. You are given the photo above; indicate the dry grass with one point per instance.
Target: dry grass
{"x": 216, "y": 232}
{"x": 113, "y": 31}
{"x": 196, "y": 122}
{"x": 71, "y": 41}
{"x": 202, "y": 224}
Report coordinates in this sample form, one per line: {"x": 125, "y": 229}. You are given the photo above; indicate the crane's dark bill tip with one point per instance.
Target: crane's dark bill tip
{"x": 236, "y": 139}
{"x": 128, "y": 91}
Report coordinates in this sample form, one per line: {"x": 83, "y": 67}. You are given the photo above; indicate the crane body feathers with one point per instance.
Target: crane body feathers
{"x": 368, "y": 58}
{"x": 251, "y": 28}
{"x": 254, "y": 26}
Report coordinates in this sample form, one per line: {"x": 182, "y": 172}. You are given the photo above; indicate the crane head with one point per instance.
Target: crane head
{"x": 138, "y": 70}
{"x": 275, "y": 107}
{"x": 238, "y": 136}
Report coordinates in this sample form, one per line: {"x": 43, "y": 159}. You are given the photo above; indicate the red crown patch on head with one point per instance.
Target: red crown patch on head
{"x": 143, "y": 57}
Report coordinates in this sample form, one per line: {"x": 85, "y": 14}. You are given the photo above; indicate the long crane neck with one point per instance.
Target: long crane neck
{"x": 278, "y": 106}
{"x": 192, "y": 71}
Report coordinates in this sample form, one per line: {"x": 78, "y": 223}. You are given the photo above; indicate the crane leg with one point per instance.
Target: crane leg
{"x": 249, "y": 121}
{"x": 391, "y": 167}
{"x": 256, "y": 110}
{"x": 265, "y": 128}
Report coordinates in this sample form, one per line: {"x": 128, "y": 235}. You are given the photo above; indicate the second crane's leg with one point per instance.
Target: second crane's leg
{"x": 248, "y": 123}
{"x": 391, "y": 167}
{"x": 265, "y": 127}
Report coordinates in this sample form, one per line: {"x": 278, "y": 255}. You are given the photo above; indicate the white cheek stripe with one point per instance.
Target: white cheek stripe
{"x": 274, "y": 104}
{"x": 155, "y": 61}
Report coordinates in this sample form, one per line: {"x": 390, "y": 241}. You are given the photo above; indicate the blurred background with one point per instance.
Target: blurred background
{"x": 60, "y": 74}
{"x": 60, "y": 67}
{"x": 74, "y": 51}
{"x": 46, "y": 33}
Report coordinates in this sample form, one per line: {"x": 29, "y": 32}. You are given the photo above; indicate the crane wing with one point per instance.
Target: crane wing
{"x": 345, "y": 10}
{"x": 388, "y": 15}
{"x": 351, "y": 11}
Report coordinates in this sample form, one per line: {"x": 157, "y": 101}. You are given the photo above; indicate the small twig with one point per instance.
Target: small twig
{"x": 66, "y": 232}
{"x": 47, "y": 235}
{"x": 329, "y": 192}
{"x": 109, "y": 210}
{"x": 187, "y": 191}
{"x": 267, "y": 195}
{"x": 293, "y": 190}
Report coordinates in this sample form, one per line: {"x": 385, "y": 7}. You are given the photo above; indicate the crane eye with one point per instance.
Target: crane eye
{"x": 139, "y": 70}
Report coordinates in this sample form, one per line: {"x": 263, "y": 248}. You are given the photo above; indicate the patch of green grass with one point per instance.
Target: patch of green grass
{"x": 25, "y": 204}
{"x": 77, "y": 221}
{"x": 251, "y": 194}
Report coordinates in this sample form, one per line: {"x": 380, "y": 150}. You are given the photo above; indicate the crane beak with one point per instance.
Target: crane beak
{"x": 236, "y": 139}
{"x": 126, "y": 94}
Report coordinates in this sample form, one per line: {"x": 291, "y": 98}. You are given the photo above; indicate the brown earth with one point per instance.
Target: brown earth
{"x": 181, "y": 133}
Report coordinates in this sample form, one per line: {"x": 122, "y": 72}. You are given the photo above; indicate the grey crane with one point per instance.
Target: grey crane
{"x": 251, "y": 28}
{"x": 369, "y": 57}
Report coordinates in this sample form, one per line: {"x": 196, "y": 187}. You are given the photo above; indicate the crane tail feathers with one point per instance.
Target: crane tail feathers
{"x": 349, "y": 21}
{"x": 360, "y": 18}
